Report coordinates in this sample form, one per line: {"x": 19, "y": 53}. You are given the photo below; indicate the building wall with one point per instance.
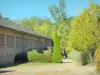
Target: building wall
{"x": 13, "y": 42}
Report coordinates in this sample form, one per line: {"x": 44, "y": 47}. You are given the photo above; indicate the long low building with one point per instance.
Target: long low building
{"x": 15, "y": 39}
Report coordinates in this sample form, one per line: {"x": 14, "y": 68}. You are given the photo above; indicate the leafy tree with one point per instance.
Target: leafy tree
{"x": 85, "y": 33}
{"x": 5, "y": 18}
{"x": 31, "y": 22}
{"x": 62, "y": 22}
{"x": 58, "y": 13}
{"x": 43, "y": 26}
{"x": 97, "y": 60}
{"x": 56, "y": 50}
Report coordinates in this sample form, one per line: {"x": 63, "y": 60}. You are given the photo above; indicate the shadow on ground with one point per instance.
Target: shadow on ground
{"x": 6, "y": 71}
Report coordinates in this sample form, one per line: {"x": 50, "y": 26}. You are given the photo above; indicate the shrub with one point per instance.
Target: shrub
{"x": 34, "y": 56}
{"x": 56, "y": 50}
{"x": 97, "y": 60}
{"x": 48, "y": 52}
{"x": 84, "y": 58}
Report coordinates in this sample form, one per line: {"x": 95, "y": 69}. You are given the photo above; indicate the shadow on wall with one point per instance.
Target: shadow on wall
{"x": 21, "y": 58}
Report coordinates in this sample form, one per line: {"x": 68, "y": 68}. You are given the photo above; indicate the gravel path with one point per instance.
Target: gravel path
{"x": 69, "y": 67}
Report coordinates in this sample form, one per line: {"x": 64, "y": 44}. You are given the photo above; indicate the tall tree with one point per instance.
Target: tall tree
{"x": 59, "y": 13}
{"x": 56, "y": 50}
{"x": 85, "y": 33}
{"x": 62, "y": 23}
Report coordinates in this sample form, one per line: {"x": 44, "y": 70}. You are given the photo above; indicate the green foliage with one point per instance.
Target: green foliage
{"x": 87, "y": 57}
{"x": 39, "y": 25}
{"x": 85, "y": 33}
{"x": 34, "y": 56}
{"x": 48, "y": 52}
{"x": 84, "y": 58}
{"x": 56, "y": 50}
{"x": 62, "y": 22}
{"x": 58, "y": 13}
{"x": 63, "y": 32}
{"x": 97, "y": 60}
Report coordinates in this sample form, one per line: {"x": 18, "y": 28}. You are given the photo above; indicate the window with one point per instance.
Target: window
{"x": 18, "y": 41}
{"x": 33, "y": 43}
{"x": 10, "y": 40}
{"x": 25, "y": 42}
{"x": 30, "y": 43}
{"x": 2, "y": 40}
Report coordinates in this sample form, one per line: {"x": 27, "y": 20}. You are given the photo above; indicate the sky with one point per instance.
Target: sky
{"x": 18, "y": 9}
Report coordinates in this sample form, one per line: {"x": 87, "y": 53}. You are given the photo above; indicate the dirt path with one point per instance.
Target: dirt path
{"x": 69, "y": 67}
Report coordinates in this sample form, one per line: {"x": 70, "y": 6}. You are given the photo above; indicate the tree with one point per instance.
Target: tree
{"x": 43, "y": 26}
{"x": 56, "y": 50}
{"x": 97, "y": 60}
{"x": 5, "y": 18}
{"x": 31, "y": 22}
{"x": 62, "y": 22}
{"x": 85, "y": 33}
{"x": 58, "y": 13}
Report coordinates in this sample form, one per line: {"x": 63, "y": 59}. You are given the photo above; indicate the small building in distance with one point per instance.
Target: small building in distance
{"x": 15, "y": 39}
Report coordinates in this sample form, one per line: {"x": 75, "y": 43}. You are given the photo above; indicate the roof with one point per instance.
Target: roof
{"x": 19, "y": 27}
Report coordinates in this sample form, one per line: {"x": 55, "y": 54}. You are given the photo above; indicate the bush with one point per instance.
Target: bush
{"x": 56, "y": 50}
{"x": 34, "y": 56}
{"x": 48, "y": 52}
{"x": 86, "y": 58}
{"x": 97, "y": 60}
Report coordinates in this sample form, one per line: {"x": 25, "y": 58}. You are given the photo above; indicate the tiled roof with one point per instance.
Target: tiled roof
{"x": 19, "y": 27}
